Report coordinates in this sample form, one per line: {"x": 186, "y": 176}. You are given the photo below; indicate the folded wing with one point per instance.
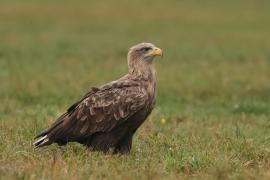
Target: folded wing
{"x": 100, "y": 110}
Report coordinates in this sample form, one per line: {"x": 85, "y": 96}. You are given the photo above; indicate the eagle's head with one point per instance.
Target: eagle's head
{"x": 140, "y": 57}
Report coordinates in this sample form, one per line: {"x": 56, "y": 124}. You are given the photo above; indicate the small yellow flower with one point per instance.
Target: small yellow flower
{"x": 162, "y": 120}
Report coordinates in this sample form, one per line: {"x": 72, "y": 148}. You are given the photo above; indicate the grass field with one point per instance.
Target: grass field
{"x": 213, "y": 86}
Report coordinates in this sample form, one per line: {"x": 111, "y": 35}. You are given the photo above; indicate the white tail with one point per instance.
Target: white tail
{"x": 44, "y": 140}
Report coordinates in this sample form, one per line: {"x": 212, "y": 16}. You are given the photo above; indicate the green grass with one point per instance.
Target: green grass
{"x": 213, "y": 86}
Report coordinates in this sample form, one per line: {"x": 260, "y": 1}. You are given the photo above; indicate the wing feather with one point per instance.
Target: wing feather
{"x": 100, "y": 111}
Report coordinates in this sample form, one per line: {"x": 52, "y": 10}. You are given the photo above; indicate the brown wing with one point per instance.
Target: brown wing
{"x": 99, "y": 111}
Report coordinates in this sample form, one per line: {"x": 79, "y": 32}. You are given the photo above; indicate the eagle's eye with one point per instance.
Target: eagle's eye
{"x": 145, "y": 49}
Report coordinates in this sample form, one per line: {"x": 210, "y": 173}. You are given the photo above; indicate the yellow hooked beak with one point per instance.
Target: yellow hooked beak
{"x": 156, "y": 52}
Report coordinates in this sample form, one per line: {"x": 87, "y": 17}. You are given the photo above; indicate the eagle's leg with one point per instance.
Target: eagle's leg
{"x": 124, "y": 146}
{"x": 100, "y": 142}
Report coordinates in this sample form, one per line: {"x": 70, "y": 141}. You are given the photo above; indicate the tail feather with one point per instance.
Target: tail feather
{"x": 43, "y": 141}
{"x": 43, "y": 137}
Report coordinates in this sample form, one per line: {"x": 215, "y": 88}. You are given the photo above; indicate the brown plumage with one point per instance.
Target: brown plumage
{"x": 106, "y": 118}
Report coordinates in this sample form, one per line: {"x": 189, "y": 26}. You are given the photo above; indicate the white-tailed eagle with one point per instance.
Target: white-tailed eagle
{"x": 107, "y": 117}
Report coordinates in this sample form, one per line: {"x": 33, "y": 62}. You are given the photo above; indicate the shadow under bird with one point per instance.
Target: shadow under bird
{"x": 106, "y": 118}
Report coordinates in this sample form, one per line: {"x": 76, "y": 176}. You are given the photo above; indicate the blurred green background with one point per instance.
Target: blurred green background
{"x": 213, "y": 85}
